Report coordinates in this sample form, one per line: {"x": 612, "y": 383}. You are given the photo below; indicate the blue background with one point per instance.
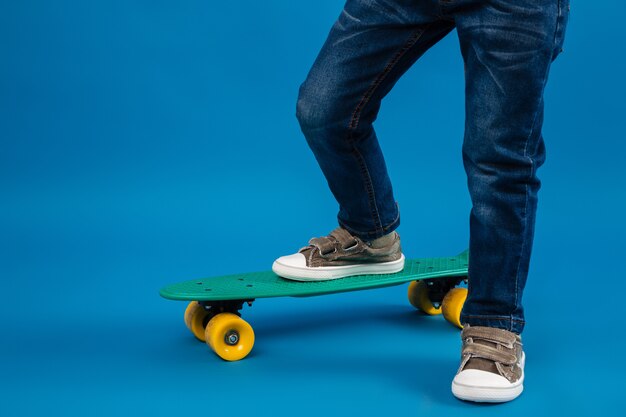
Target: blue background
{"x": 148, "y": 142}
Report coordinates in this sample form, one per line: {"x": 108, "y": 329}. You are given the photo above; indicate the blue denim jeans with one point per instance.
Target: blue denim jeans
{"x": 507, "y": 47}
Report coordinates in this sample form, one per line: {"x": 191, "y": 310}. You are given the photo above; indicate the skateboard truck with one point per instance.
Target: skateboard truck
{"x": 438, "y": 288}
{"x": 219, "y": 324}
{"x": 213, "y": 308}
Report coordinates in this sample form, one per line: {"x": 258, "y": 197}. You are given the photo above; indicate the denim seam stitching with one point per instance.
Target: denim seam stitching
{"x": 506, "y": 318}
{"x": 532, "y": 170}
{"x": 559, "y": 15}
{"x": 415, "y": 36}
{"x": 356, "y": 114}
{"x": 369, "y": 187}
{"x": 532, "y": 167}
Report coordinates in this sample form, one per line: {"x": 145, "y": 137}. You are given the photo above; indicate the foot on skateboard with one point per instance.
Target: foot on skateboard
{"x": 340, "y": 255}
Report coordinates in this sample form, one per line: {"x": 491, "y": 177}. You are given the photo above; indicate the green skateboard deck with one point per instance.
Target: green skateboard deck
{"x": 253, "y": 285}
{"x": 213, "y": 314}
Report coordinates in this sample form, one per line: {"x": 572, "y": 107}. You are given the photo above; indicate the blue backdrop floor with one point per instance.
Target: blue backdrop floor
{"x": 139, "y": 139}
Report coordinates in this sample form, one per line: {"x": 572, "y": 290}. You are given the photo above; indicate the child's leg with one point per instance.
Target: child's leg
{"x": 507, "y": 48}
{"x": 369, "y": 47}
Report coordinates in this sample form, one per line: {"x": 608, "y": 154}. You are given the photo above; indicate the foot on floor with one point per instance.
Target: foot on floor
{"x": 492, "y": 365}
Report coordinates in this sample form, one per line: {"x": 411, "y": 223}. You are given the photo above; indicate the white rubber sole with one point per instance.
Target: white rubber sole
{"x": 483, "y": 392}
{"x": 325, "y": 273}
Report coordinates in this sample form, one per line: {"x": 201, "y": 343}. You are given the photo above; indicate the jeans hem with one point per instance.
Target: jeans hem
{"x": 500, "y": 322}
{"x": 373, "y": 234}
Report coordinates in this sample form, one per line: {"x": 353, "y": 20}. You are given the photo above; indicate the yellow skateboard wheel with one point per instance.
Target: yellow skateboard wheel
{"x": 453, "y": 304}
{"x": 195, "y": 316}
{"x": 230, "y": 337}
{"x": 418, "y": 297}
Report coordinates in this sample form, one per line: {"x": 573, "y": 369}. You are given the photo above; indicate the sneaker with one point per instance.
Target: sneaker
{"x": 340, "y": 255}
{"x": 492, "y": 365}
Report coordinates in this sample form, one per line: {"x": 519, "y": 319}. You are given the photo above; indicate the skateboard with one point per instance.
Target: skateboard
{"x": 213, "y": 314}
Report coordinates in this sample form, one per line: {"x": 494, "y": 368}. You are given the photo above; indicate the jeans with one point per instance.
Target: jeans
{"x": 507, "y": 48}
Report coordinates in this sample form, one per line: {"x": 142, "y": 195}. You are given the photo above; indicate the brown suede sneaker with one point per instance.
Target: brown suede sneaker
{"x": 492, "y": 365}
{"x": 339, "y": 255}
